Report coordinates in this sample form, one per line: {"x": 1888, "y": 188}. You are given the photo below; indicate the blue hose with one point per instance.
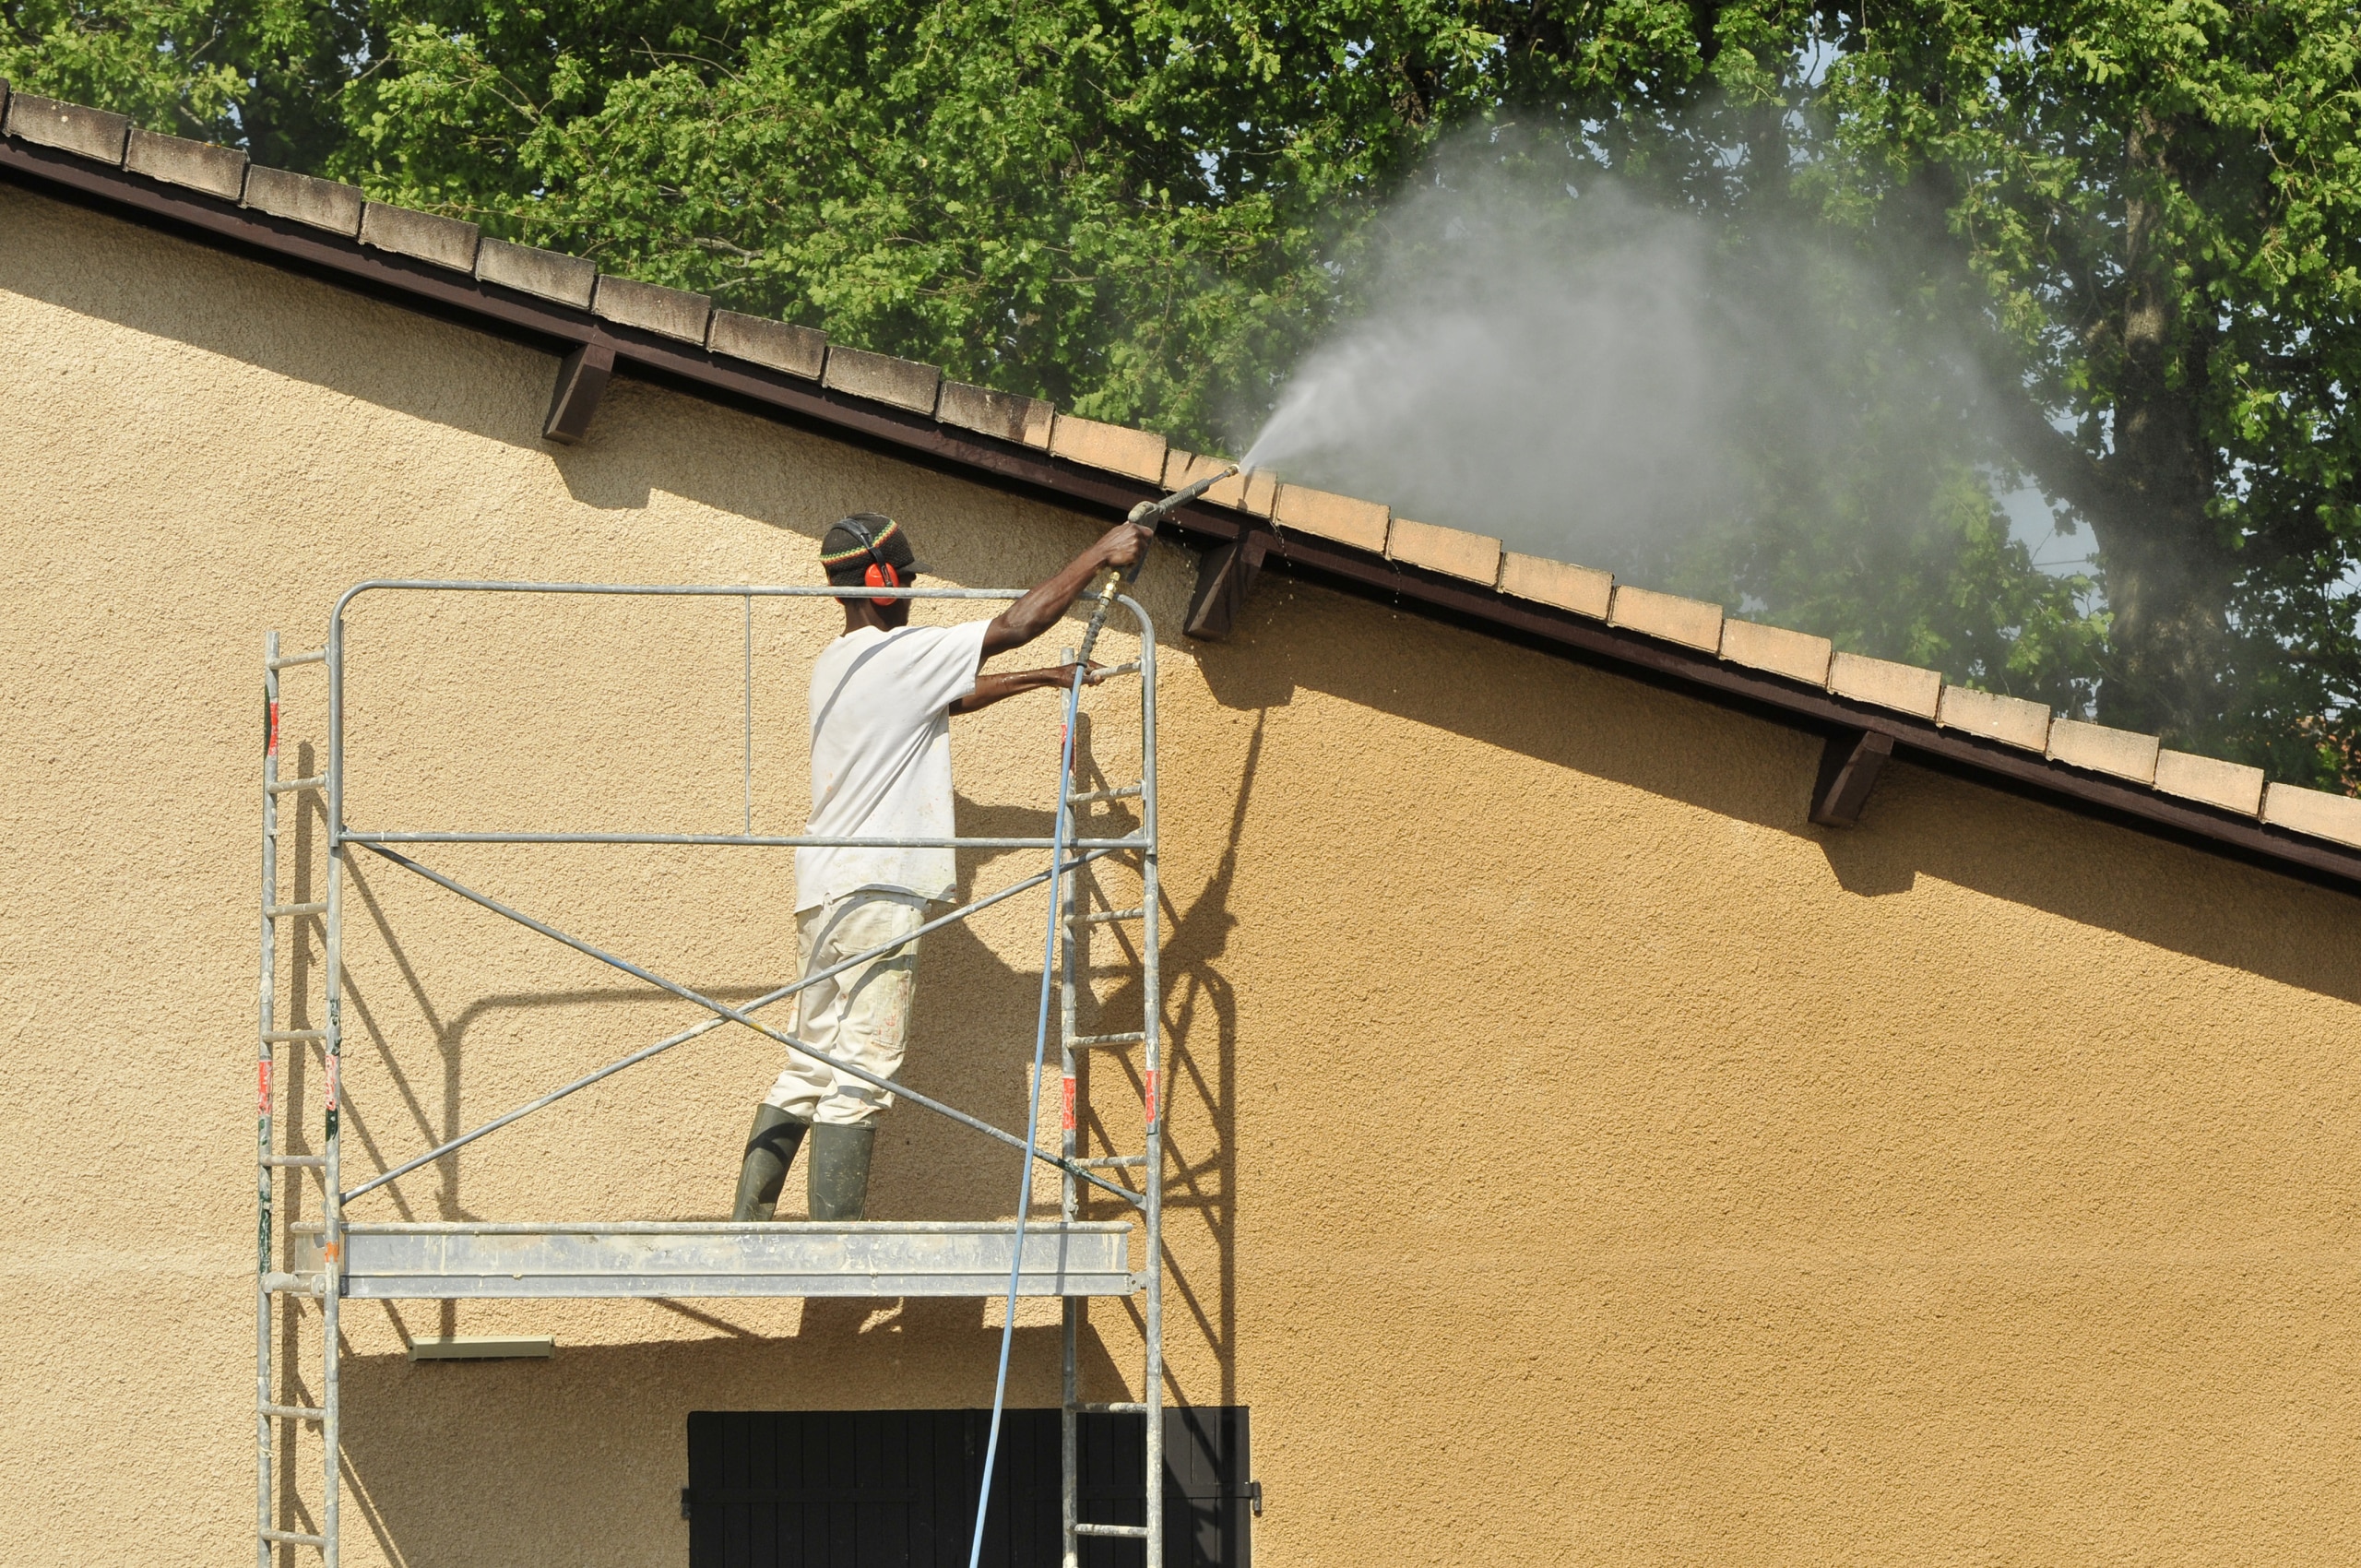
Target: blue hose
{"x": 1033, "y": 1112}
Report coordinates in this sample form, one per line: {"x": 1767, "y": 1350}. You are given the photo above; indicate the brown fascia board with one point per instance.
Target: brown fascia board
{"x": 459, "y": 297}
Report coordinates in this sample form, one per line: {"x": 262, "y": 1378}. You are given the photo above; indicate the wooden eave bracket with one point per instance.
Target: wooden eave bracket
{"x": 1850, "y": 766}
{"x": 582, "y": 378}
{"x": 1224, "y": 574}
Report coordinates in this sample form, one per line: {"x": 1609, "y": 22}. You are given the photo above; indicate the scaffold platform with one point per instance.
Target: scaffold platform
{"x": 878, "y": 1258}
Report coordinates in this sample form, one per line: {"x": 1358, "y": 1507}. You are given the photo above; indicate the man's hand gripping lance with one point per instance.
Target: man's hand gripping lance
{"x": 1149, "y": 514}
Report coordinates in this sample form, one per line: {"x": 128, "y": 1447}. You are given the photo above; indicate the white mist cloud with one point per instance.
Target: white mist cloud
{"x": 1598, "y": 379}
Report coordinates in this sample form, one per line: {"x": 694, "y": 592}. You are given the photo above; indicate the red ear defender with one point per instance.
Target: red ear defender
{"x": 881, "y": 574}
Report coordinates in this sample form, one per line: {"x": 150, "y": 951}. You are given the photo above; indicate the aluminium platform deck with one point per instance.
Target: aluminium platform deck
{"x": 448, "y": 1262}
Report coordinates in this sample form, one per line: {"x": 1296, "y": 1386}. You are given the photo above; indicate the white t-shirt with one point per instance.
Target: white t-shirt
{"x": 881, "y": 758}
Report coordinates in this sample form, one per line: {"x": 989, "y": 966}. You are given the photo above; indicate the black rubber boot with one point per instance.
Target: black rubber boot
{"x": 839, "y": 1170}
{"x": 770, "y": 1149}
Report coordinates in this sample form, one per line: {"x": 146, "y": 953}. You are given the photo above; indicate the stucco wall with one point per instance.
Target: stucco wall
{"x": 1579, "y": 1156}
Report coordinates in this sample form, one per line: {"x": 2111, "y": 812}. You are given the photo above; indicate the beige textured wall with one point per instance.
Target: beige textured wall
{"x": 1581, "y": 1157}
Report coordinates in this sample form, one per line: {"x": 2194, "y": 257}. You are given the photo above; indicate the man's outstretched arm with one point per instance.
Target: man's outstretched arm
{"x": 991, "y": 687}
{"x": 1118, "y": 548}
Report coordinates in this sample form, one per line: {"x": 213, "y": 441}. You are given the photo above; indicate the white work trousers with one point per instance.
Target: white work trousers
{"x": 862, "y": 1016}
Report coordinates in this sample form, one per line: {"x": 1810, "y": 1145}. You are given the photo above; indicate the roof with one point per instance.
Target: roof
{"x": 1868, "y": 709}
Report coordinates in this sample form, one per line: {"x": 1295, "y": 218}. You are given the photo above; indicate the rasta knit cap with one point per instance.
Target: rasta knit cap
{"x": 846, "y": 553}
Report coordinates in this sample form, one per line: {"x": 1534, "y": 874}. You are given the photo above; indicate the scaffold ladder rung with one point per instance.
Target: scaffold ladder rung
{"x": 286, "y": 911}
{"x": 296, "y": 1412}
{"x": 281, "y": 1161}
{"x": 1107, "y": 917}
{"x": 317, "y": 656}
{"x": 295, "y": 1538}
{"x": 287, "y": 786}
{"x": 1134, "y": 1037}
{"x": 1126, "y": 1532}
{"x": 287, "y": 1036}
{"x": 1113, "y": 1407}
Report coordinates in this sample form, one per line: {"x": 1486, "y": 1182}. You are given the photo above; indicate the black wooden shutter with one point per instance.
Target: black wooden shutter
{"x": 896, "y": 1488}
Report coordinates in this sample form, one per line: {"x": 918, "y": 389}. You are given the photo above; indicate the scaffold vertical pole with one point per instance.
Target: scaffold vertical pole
{"x": 1152, "y": 1061}
{"x": 1069, "y": 1207}
{"x": 332, "y": 1195}
{"x": 267, "y": 1010}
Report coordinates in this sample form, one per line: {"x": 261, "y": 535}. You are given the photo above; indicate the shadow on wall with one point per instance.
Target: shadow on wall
{"x": 1608, "y": 726}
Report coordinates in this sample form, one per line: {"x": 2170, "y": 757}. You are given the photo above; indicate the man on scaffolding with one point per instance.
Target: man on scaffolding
{"x": 882, "y": 699}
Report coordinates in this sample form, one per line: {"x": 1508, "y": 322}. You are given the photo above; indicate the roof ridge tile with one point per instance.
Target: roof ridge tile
{"x": 1799, "y": 656}
{"x": 548, "y": 275}
{"x": 304, "y": 198}
{"x": 1693, "y": 623}
{"x": 1453, "y": 551}
{"x": 1010, "y": 416}
{"x": 1586, "y": 590}
{"x": 1347, "y": 519}
{"x": 176, "y": 160}
{"x": 2127, "y": 753}
{"x": 423, "y": 236}
{"x": 905, "y": 384}
{"x": 95, "y": 134}
{"x": 652, "y": 307}
{"x": 1887, "y": 682}
{"x": 2314, "y": 811}
{"x": 1119, "y": 448}
{"x": 2013, "y": 721}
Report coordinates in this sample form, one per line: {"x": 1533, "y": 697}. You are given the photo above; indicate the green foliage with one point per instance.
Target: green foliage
{"x": 1120, "y": 206}
{"x": 2140, "y": 215}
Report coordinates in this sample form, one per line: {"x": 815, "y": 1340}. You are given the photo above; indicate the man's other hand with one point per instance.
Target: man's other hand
{"x": 998, "y": 685}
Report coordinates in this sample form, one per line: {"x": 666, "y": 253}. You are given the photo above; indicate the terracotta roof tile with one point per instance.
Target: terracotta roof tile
{"x": 2009, "y": 719}
{"x": 1116, "y": 447}
{"x": 905, "y": 384}
{"x": 1796, "y": 655}
{"x": 1905, "y": 688}
{"x": 1345, "y": 518}
{"x": 548, "y": 275}
{"x": 1694, "y": 622}
{"x": 2315, "y": 811}
{"x": 1471, "y": 555}
{"x": 2216, "y": 783}
{"x": 322, "y": 204}
{"x": 1586, "y": 590}
{"x": 796, "y": 350}
{"x": 1026, "y": 421}
{"x": 2124, "y": 753}
{"x": 176, "y": 160}
{"x": 651, "y": 307}
{"x": 69, "y": 128}
{"x": 445, "y": 242}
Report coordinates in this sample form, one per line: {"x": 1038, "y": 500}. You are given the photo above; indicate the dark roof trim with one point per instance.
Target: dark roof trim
{"x": 561, "y": 330}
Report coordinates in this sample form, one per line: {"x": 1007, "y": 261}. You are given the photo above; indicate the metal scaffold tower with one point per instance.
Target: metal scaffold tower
{"x": 306, "y": 1269}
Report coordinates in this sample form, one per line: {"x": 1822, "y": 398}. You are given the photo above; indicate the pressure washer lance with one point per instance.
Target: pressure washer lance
{"x": 1151, "y": 512}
